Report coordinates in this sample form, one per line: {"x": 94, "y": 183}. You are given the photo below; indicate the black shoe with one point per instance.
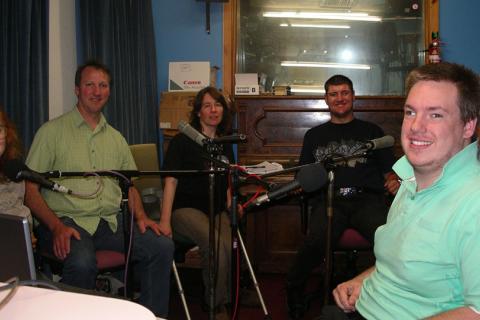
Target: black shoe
{"x": 295, "y": 303}
{"x": 249, "y": 298}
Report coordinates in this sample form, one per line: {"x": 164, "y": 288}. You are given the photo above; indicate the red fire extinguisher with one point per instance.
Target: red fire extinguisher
{"x": 434, "y": 49}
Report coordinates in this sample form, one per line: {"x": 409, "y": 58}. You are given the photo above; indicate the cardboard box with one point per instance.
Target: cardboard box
{"x": 188, "y": 76}
{"x": 246, "y": 84}
{"x": 175, "y": 106}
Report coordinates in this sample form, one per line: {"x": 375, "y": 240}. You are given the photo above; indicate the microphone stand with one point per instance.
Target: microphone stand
{"x": 125, "y": 184}
{"x": 237, "y": 244}
{"x": 331, "y": 164}
{"x": 328, "y": 243}
{"x": 124, "y": 177}
{"x": 212, "y": 149}
{"x": 234, "y": 294}
{"x": 127, "y": 217}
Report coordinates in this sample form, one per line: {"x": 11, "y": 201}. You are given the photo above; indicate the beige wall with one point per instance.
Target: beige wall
{"x": 62, "y": 57}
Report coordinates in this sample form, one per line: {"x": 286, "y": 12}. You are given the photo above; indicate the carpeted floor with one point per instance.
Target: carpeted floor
{"x": 272, "y": 287}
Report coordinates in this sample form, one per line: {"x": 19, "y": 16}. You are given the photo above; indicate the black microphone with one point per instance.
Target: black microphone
{"x": 309, "y": 178}
{"x": 16, "y": 170}
{"x": 379, "y": 143}
{"x": 191, "y": 132}
{"x": 234, "y": 138}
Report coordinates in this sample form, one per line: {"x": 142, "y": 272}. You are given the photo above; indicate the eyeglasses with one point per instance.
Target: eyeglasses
{"x": 3, "y": 130}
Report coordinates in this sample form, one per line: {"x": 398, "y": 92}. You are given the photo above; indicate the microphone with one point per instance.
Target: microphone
{"x": 379, "y": 143}
{"x": 234, "y": 138}
{"x": 309, "y": 178}
{"x": 16, "y": 170}
{"x": 200, "y": 139}
{"x": 191, "y": 132}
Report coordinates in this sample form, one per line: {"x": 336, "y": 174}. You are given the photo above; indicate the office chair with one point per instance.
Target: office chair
{"x": 150, "y": 188}
{"x": 107, "y": 262}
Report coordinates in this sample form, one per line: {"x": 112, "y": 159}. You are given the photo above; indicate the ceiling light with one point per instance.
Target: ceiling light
{"x": 325, "y": 65}
{"x": 306, "y": 89}
{"x": 346, "y": 55}
{"x": 352, "y": 16}
{"x": 326, "y": 26}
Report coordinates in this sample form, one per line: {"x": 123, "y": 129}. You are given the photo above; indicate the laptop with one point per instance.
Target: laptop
{"x": 16, "y": 252}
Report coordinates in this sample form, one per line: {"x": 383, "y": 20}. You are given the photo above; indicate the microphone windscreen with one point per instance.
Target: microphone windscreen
{"x": 312, "y": 177}
{"x": 12, "y": 168}
{"x": 182, "y": 124}
{"x": 191, "y": 132}
{"x": 384, "y": 142}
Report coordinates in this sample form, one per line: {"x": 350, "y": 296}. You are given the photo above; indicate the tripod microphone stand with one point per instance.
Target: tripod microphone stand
{"x": 236, "y": 241}
{"x": 212, "y": 149}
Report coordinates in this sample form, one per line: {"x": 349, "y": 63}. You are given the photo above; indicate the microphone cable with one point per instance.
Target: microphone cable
{"x": 258, "y": 190}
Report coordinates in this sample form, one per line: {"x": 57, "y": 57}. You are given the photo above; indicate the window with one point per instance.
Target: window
{"x": 302, "y": 43}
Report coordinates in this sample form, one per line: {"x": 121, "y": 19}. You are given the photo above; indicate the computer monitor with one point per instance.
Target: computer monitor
{"x": 16, "y": 252}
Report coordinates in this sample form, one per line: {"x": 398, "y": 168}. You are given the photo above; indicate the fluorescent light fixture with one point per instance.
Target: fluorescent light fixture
{"x": 325, "y": 65}
{"x": 306, "y": 89}
{"x": 351, "y": 16}
{"x": 346, "y": 55}
{"x": 325, "y": 26}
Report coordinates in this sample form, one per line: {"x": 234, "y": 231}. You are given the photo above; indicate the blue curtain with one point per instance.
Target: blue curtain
{"x": 24, "y": 64}
{"x": 120, "y": 34}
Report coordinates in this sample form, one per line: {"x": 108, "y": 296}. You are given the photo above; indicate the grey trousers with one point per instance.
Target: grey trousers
{"x": 193, "y": 225}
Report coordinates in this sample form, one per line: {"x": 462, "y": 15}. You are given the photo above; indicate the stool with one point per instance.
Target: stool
{"x": 351, "y": 242}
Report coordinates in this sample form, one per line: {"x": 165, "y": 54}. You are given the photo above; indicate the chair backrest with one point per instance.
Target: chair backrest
{"x": 150, "y": 187}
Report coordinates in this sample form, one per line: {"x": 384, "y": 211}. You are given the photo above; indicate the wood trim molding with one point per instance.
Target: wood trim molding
{"x": 229, "y": 45}
{"x": 431, "y": 21}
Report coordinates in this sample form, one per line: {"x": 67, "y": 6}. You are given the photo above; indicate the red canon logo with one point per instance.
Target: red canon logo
{"x": 190, "y": 82}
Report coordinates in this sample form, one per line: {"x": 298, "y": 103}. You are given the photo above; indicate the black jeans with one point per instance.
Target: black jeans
{"x": 364, "y": 212}
{"x": 335, "y": 313}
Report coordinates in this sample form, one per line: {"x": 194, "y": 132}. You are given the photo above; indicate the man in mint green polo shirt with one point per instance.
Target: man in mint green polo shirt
{"x": 74, "y": 226}
{"x": 428, "y": 252}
